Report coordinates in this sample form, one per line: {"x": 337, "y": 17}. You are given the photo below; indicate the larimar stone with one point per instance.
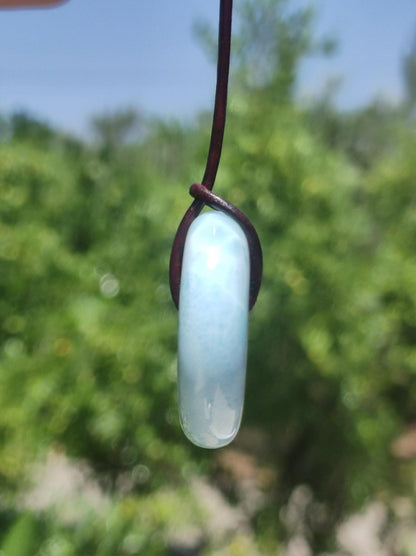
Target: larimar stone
{"x": 213, "y": 323}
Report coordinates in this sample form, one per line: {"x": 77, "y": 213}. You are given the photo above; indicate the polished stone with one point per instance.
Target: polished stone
{"x": 213, "y": 322}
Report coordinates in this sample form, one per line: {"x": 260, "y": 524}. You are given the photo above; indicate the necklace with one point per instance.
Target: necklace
{"x": 215, "y": 276}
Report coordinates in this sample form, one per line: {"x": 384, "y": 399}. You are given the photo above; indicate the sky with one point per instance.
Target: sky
{"x": 88, "y": 57}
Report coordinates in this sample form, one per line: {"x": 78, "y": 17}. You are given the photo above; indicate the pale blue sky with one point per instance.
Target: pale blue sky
{"x": 89, "y": 56}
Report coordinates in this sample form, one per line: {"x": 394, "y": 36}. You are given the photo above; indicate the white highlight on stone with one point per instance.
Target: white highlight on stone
{"x": 213, "y": 323}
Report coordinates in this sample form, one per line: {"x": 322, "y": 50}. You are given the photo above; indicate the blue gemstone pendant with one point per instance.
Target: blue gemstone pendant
{"x": 213, "y": 325}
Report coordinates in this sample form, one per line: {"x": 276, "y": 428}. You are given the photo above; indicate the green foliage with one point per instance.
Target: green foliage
{"x": 409, "y": 74}
{"x": 87, "y": 337}
{"x": 320, "y": 330}
{"x": 130, "y": 526}
{"x": 23, "y": 537}
{"x": 75, "y": 248}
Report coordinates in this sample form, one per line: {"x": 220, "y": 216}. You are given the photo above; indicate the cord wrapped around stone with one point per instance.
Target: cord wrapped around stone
{"x": 215, "y": 270}
{"x": 203, "y": 196}
{"x": 202, "y": 193}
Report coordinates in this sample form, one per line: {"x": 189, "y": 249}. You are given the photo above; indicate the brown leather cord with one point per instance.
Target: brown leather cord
{"x": 202, "y": 193}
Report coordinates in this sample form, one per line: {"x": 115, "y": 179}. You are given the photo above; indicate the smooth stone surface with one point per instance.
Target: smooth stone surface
{"x": 213, "y": 323}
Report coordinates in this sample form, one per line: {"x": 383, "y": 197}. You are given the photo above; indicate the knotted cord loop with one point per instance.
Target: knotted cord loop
{"x": 202, "y": 193}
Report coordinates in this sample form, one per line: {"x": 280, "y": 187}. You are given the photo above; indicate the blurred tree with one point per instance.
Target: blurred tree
{"x": 113, "y": 130}
{"x": 365, "y": 135}
{"x": 271, "y": 40}
{"x": 409, "y": 76}
{"x": 26, "y": 127}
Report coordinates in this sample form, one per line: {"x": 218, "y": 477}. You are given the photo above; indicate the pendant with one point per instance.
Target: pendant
{"x": 213, "y": 327}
